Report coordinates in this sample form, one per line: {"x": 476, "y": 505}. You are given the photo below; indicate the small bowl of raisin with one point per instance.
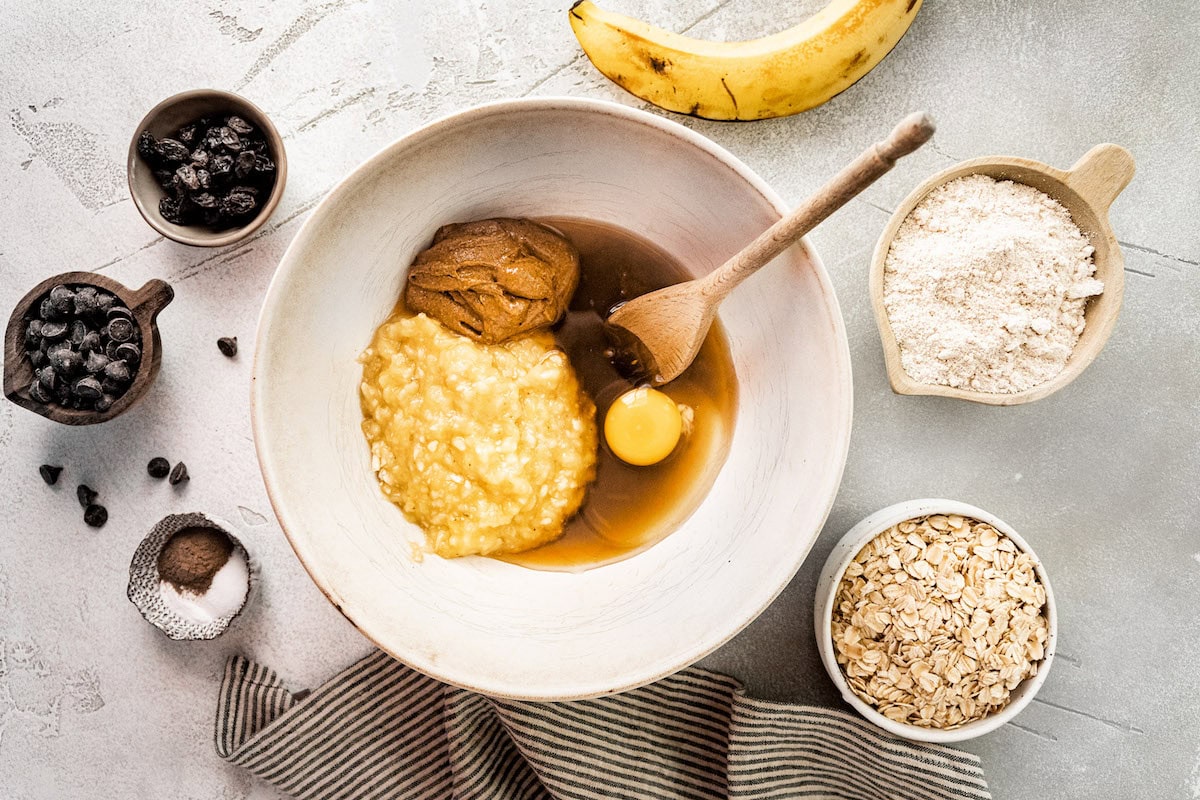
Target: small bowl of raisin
{"x": 206, "y": 168}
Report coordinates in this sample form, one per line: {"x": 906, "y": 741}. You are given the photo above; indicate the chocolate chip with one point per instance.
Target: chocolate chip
{"x": 54, "y": 331}
{"x": 48, "y": 378}
{"x": 179, "y": 474}
{"x": 88, "y": 388}
{"x": 50, "y": 474}
{"x": 117, "y": 371}
{"x": 105, "y": 402}
{"x": 158, "y": 467}
{"x": 62, "y": 299}
{"x": 120, "y": 329}
{"x": 38, "y": 393}
{"x": 86, "y": 495}
{"x": 129, "y": 353}
{"x": 91, "y": 342}
{"x": 85, "y": 300}
{"x": 228, "y": 346}
{"x": 95, "y": 515}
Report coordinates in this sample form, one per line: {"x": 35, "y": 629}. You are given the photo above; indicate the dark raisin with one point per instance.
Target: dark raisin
{"x": 187, "y": 177}
{"x": 173, "y": 150}
{"x": 220, "y": 166}
{"x": 158, "y": 467}
{"x": 88, "y": 388}
{"x": 187, "y": 134}
{"x": 147, "y": 147}
{"x": 86, "y": 494}
{"x": 204, "y": 178}
{"x": 205, "y": 200}
{"x": 238, "y": 204}
{"x": 171, "y": 210}
{"x": 229, "y": 138}
{"x": 95, "y": 515}
{"x": 244, "y": 164}
{"x": 263, "y": 164}
{"x": 199, "y": 157}
{"x": 179, "y": 474}
{"x": 50, "y": 474}
{"x": 165, "y": 179}
{"x": 228, "y": 346}
{"x": 239, "y": 125}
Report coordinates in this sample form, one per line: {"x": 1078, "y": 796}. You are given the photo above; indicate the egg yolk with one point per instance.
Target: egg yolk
{"x": 643, "y": 426}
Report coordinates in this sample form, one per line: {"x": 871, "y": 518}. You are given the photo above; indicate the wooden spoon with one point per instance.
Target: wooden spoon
{"x": 664, "y": 329}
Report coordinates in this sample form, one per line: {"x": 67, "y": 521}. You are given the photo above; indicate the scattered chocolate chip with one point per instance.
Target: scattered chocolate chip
{"x": 179, "y": 474}
{"x": 86, "y": 495}
{"x": 50, "y": 474}
{"x": 228, "y": 346}
{"x": 158, "y": 467}
{"x": 95, "y": 515}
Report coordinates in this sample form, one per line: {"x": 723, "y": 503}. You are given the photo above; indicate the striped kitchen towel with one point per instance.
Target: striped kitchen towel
{"x": 381, "y": 730}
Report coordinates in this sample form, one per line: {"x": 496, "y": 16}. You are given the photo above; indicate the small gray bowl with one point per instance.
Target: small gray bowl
{"x": 166, "y": 118}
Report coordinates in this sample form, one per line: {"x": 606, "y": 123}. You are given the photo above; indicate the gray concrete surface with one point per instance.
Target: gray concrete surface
{"x": 1102, "y": 478}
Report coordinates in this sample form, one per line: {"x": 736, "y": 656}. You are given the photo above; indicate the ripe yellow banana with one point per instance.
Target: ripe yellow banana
{"x": 777, "y": 75}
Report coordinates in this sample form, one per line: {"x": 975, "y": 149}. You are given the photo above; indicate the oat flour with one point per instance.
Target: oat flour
{"x": 985, "y": 286}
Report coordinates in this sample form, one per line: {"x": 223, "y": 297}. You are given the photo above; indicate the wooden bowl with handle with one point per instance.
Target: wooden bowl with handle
{"x": 143, "y": 303}
{"x": 1086, "y": 190}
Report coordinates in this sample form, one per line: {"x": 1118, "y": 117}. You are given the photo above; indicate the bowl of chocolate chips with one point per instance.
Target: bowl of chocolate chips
{"x": 81, "y": 348}
{"x": 206, "y": 168}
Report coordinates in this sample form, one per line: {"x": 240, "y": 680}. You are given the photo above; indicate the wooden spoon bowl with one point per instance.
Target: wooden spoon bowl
{"x": 144, "y": 303}
{"x": 1086, "y": 190}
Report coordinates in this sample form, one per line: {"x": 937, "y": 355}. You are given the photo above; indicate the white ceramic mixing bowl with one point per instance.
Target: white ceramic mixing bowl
{"x": 491, "y": 626}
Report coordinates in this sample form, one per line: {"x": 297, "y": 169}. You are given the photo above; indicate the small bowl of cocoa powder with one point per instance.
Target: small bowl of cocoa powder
{"x": 190, "y": 577}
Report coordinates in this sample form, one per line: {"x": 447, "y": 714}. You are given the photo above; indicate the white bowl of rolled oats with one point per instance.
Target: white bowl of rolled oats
{"x": 935, "y": 620}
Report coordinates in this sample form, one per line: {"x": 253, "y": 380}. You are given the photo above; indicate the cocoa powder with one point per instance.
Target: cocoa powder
{"x": 191, "y": 557}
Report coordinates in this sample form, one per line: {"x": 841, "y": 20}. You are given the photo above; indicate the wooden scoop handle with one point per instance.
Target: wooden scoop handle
{"x": 912, "y": 132}
{"x": 1101, "y": 173}
{"x": 153, "y": 297}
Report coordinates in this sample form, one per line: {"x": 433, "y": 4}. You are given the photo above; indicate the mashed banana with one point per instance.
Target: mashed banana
{"x": 488, "y": 448}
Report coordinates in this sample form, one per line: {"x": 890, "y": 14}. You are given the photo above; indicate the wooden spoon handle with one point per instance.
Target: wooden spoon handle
{"x": 1101, "y": 173}
{"x": 912, "y": 132}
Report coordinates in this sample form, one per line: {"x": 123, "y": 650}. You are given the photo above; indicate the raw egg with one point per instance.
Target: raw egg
{"x": 643, "y": 426}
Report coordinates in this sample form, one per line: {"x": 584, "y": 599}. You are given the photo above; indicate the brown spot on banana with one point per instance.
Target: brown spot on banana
{"x": 659, "y": 65}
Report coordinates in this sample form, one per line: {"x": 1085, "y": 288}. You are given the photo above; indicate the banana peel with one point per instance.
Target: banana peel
{"x": 775, "y": 76}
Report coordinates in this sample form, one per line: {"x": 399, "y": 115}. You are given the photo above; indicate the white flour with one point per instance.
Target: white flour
{"x": 985, "y": 286}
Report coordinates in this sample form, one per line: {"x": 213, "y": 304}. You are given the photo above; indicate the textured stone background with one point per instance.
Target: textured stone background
{"x": 1102, "y": 478}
